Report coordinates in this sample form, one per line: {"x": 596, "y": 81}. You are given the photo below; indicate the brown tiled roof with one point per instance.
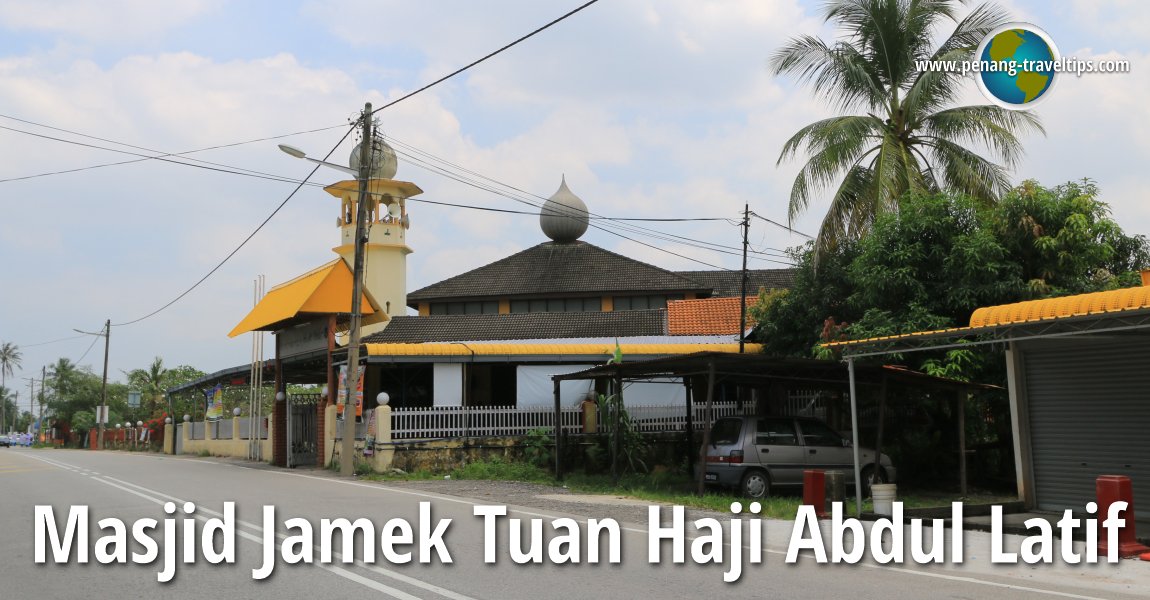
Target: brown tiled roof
{"x": 521, "y": 326}
{"x": 550, "y": 268}
{"x": 727, "y": 284}
{"x": 708, "y": 316}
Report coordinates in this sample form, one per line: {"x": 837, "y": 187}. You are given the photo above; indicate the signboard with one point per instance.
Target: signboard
{"x": 342, "y": 392}
{"x": 308, "y": 337}
{"x": 102, "y": 415}
{"x": 134, "y": 399}
{"x": 215, "y": 401}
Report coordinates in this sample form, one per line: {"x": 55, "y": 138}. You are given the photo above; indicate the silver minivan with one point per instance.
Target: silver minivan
{"x": 753, "y": 454}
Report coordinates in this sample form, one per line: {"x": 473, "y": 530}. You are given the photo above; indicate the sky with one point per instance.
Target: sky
{"x": 648, "y": 108}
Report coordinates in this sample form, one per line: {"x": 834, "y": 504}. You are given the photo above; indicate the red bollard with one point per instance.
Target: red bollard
{"x": 815, "y": 491}
{"x": 1111, "y": 489}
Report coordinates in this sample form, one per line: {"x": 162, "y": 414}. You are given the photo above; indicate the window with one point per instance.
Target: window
{"x": 818, "y": 434}
{"x": 644, "y": 302}
{"x": 776, "y": 432}
{"x": 557, "y": 305}
{"x": 487, "y": 307}
{"x": 726, "y": 431}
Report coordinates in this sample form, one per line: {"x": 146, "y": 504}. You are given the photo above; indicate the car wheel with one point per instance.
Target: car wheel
{"x": 756, "y": 484}
{"x": 870, "y": 476}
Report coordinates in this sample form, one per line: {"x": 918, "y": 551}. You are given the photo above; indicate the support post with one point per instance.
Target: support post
{"x": 690, "y": 426}
{"x": 558, "y": 433}
{"x": 706, "y": 429}
{"x": 961, "y": 412}
{"x": 878, "y": 435}
{"x": 743, "y": 278}
{"x": 855, "y": 436}
{"x": 617, "y": 426}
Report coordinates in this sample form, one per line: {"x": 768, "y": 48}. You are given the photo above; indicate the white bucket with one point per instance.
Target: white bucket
{"x": 883, "y": 496}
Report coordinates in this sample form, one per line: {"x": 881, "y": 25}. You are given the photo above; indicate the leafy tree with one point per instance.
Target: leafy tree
{"x": 1065, "y": 241}
{"x": 909, "y": 136}
{"x": 942, "y": 256}
{"x": 151, "y": 383}
{"x": 790, "y": 321}
{"x": 9, "y": 360}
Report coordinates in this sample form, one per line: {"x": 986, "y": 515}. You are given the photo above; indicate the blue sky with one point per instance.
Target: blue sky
{"x": 651, "y": 108}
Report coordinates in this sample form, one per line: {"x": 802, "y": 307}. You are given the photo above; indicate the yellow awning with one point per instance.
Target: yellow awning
{"x": 325, "y": 290}
{"x": 550, "y": 349}
{"x": 1067, "y": 306}
{"x": 1030, "y": 311}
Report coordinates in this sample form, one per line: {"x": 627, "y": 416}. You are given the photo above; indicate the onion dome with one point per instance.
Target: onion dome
{"x": 563, "y": 217}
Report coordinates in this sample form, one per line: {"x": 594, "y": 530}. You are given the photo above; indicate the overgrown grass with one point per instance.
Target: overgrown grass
{"x": 666, "y": 487}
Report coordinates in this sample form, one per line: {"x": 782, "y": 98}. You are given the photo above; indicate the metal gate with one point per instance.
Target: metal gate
{"x": 303, "y": 443}
{"x": 1089, "y": 413}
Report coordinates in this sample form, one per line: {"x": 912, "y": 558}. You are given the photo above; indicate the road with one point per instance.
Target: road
{"x": 137, "y": 486}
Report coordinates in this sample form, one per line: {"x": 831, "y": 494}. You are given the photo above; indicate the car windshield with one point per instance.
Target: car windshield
{"x": 726, "y": 431}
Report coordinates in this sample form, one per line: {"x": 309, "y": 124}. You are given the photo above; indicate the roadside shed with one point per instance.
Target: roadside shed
{"x": 1079, "y": 407}
{"x": 767, "y": 379}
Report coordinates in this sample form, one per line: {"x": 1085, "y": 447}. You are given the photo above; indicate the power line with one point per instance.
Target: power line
{"x": 758, "y": 216}
{"x": 345, "y": 135}
{"x": 74, "y": 337}
{"x": 524, "y": 197}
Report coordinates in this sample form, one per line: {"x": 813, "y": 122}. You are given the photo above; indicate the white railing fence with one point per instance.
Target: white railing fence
{"x": 467, "y": 421}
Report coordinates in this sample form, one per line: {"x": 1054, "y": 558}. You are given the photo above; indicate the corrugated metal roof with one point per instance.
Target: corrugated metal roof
{"x": 1067, "y": 306}
{"x": 323, "y": 290}
{"x": 1032, "y": 311}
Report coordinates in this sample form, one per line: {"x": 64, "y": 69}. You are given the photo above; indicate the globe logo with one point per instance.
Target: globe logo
{"x": 1016, "y": 65}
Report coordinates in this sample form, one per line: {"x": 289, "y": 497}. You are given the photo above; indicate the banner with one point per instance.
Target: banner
{"x": 341, "y": 394}
{"x": 215, "y": 398}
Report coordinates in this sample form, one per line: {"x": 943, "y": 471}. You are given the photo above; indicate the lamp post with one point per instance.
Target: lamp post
{"x": 347, "y": 448}
{"x": 102, "y": 416}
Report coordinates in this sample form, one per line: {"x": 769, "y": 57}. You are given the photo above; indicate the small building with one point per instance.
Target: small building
{"x": 1078, "y": 406}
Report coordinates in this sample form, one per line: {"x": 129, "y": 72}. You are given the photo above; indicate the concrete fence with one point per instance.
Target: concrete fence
{"x": 226, "y": 437}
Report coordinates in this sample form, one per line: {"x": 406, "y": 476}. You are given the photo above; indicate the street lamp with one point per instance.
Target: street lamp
{"x": 103, "y": 416}
{"x": 347, "y": 448}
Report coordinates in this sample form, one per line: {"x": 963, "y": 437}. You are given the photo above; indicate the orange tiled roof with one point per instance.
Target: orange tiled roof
{"x": 709, "y": 316}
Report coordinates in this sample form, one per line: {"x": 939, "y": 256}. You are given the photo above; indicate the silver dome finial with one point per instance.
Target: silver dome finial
{"x": 564, "y": 217}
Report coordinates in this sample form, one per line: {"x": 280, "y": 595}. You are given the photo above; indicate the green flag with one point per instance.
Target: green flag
{"x": 618, "y": 358}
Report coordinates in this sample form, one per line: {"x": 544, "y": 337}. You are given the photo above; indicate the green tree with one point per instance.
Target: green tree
{"x": 151, "y": 383}
{"x": 909, "y": 136}
{"x": 9, "y": 361}
{"x": 930, "y": 265}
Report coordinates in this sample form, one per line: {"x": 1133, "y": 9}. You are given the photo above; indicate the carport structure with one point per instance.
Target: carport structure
{"x": 1079, "y": 403}
{"x": 769, "y": 378}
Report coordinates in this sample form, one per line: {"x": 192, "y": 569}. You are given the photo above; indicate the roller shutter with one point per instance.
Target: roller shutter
{"x": 1089, "y": 404}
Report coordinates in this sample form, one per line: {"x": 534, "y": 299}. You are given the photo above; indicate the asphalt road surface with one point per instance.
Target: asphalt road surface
{"x": 131, "y": 487}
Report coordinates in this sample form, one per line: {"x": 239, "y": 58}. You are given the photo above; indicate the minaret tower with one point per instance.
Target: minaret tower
{"x": 385, "y": 266}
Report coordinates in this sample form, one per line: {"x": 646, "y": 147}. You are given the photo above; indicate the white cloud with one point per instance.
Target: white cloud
{"x": 104, "y": 21}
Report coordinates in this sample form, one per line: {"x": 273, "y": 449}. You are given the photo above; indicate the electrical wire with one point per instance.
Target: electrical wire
{"x": 345, "y": 135}
{"x": 74, "y": 337}
{"x": 753, "y": 214}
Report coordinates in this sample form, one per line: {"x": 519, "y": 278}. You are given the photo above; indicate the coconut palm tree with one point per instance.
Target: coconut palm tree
{"x": 908, "y": 135}
{"x": 153, "y": 382}
{"x": 9, "y": 361}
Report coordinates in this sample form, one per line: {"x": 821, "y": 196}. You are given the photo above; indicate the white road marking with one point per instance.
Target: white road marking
{"x": 455, "y": 596}
{"x": 161, "y": 498}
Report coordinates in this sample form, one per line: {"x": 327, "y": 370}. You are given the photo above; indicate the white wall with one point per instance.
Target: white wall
{"x": 534, "y": 388}
{"x": 447, "y": 384}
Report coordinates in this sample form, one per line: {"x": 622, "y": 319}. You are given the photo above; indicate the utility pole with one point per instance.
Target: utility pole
{"x": 40, "y": 413}
{"x": 743, "y": 287}
{"x": 347, "y": 449}
{"x": 102, "y": 415}
{"x": 31, "y": 397}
